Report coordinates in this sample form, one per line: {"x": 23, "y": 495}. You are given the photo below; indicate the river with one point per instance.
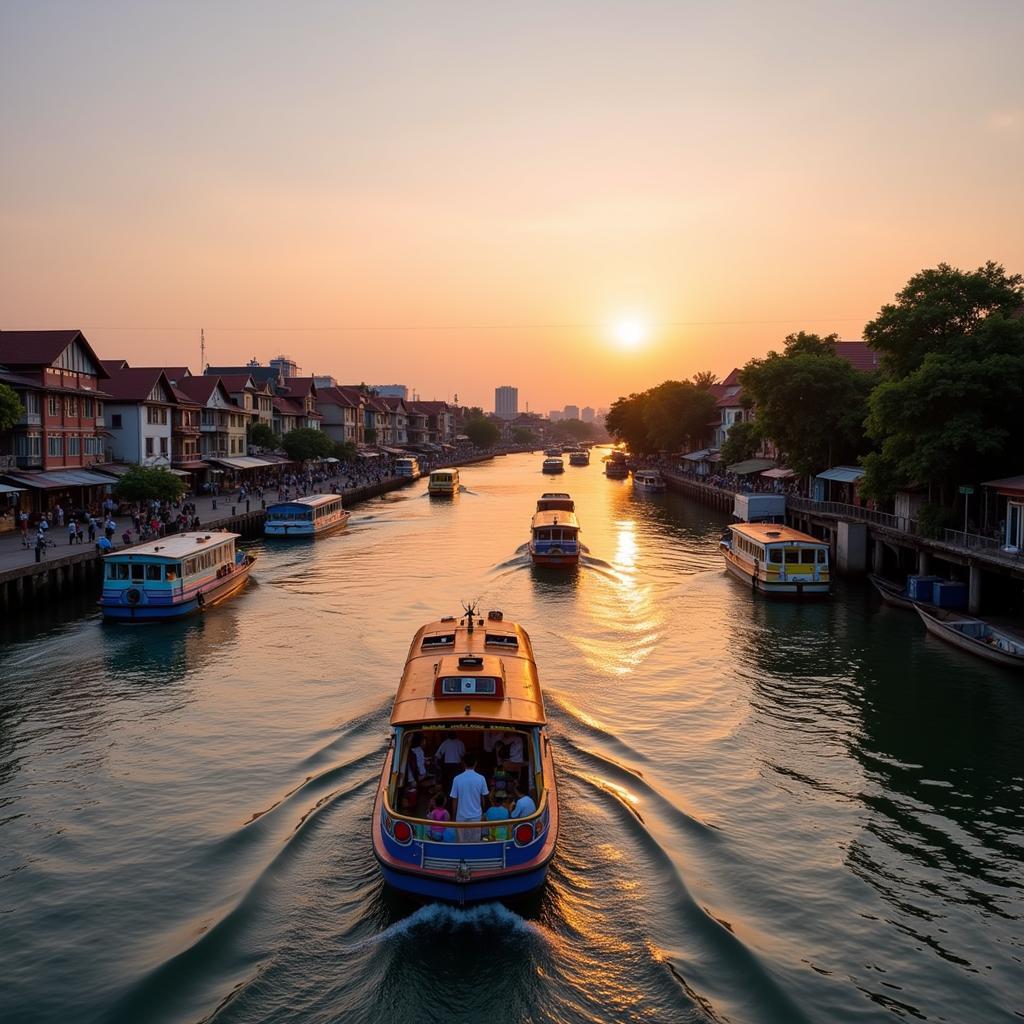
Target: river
{"x": 770, "y": 812}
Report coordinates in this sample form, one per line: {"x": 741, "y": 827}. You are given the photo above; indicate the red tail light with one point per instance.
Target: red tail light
{"x": 403, "y": 832}
{"x": 523, "y": 834}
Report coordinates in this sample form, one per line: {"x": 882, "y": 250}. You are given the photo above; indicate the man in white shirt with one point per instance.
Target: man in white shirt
{"x": 449, "y": 757}
{"x": 514, "y": 761}
{"x": 524, "y": 806}
{"x": 468, "y": 792}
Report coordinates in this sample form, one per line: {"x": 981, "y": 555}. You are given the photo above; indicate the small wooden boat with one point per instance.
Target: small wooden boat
{"x": 470, "y": 686}
{"x": 975, "y": 636}
{"x": 891, "y": 593}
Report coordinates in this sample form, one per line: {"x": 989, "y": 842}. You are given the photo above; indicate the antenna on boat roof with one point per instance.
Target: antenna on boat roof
{"x": 470, "y": 610}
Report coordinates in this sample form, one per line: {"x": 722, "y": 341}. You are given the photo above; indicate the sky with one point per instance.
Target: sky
{"x": 459, "y": 195}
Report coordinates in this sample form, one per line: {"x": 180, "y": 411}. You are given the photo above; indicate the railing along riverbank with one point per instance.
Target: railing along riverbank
{"x": 77, "y": 572}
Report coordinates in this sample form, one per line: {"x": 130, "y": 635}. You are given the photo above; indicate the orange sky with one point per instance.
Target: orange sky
{"x": 464, "y": 195}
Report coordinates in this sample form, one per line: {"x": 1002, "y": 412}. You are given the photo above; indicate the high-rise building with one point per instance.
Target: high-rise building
{"x": 587, "y": 414}
{"x": 286, "y": 366}
{"x": 392, "y": 391}
{"x": 555, "y": 415}
{"x": 571, "y": 412}
{"x": 506, "y": 402}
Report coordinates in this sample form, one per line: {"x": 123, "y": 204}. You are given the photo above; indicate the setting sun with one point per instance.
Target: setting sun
{"x": 630, "y": 332}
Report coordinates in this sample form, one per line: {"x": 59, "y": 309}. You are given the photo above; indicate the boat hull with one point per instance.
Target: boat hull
{"x": 553, "y": 471}
{"x": 305, "y": 529}
{"x": 979, "y": 648}
{"x": 201, "y": 600}
{"x": 791, "y": 590}
{"x": 561, "y": 561}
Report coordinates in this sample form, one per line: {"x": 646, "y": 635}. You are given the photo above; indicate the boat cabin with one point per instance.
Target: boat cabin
{"x": 554, "y": 532}
{"x": 555, "y": 501}
{"x": 406, "y": 467}
{"x": 777, "y": 559}
{"x": 307, "y": 515}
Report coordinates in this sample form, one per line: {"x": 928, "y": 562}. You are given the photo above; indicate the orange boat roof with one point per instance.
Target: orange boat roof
{"x": 555, "y": 517}
{"x": 501, "y": 649}
{"x": 774, "y": 533}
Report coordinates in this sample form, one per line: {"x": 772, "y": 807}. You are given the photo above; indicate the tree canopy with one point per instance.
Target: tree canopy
{"x": 949, "y": 409}
{"x": 482, "y": 432}
{"x": 667, "y": 417}
{"x": 742, "y": 442}
{"x": 523, "y": 435}
{"x": 574, "y": 430}
{"x": 346, "y": 451}
{"x": 263, "y": 436}
{"x": 149, "y": 483}
{"x": 11, "y": 410}
{"x": 810, "y": 403}
{"x": 705, "y": 379}
{"x": 305, "y": 443}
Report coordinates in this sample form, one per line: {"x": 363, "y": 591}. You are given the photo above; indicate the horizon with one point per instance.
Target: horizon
{"x": 612, "y": 194}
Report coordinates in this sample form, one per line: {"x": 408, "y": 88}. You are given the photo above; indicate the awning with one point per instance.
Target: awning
{"x": 778, "y": 474}
{"x": 391, "y": 451}
{"x": 193, "y": 466}
{"x": 750, "y": 466}
{"x": 698, "y": 456}
{"x": 176, "y": 472}
{"x": 842, "y": 474}
{"x": 368, "y": 455}
{"x": 6, "y": 489}
{"x": 1012, "y": 486}
{"x": 330, "y": 458}
{"x": 244, "y": 462}
{"x": 60, "y": 478}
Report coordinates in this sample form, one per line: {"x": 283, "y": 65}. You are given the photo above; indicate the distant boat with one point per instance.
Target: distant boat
{"x": 616, "y": 469}
{"x": 579, "y": 458}
{"x": 648, "y": 480}
{"x": 443, "y": 482}
{"x": 553, "y": 465}
{"x": 555, "y": 531}
{"x": 305, "y": 517}
{"x": 975, "y": 636}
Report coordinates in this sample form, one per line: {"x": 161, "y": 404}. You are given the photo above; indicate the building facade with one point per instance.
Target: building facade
{"x": 506, "y": 402}
{"x": 139, "y": 415}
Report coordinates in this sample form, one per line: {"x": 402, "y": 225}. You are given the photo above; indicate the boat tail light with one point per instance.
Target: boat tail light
{"x": 403, "y": 832}
{"x": 523, "y": 834}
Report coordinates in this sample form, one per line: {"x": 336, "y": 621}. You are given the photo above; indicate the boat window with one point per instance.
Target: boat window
{"x": 438, "y": 640}
{"x": 792, "y": 556}
{"x": 808, "y": 556}
{"x": 174, "y": 571}
{"x": 117, "y": 570}
{"x": 153, "y": 572}
{"x": 822, "y": 556}
{"x": 469, "y": 684}
{"x": 774, "y": 555}
{"x": 138, "y": 572}
{"x": 502, "y": 639}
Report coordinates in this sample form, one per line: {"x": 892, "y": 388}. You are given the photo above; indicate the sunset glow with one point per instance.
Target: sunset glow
{"x": 630, "y": 332}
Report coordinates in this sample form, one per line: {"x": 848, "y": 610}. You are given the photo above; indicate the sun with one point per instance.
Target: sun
{"x": 630, "y": 332}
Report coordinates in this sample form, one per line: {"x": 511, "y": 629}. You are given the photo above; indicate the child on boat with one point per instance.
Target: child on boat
{"x": 438, "y": 813}
{"x": 498, "y": 811}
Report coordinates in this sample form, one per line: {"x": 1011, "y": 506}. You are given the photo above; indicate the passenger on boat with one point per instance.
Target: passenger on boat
{"x": 417, "y": 764}
{"x": 499, "y": 810}
{"x": 524, "y": 803}
{"x": 513, "y": 760}
{"x": 438, "y": 813}
{"x": 448, "y": 757}
{"x": 467, "y": 793}
{"x": 489, "y": 761}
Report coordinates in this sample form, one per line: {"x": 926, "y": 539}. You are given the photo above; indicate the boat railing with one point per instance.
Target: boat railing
{"x": 422, "y": 828}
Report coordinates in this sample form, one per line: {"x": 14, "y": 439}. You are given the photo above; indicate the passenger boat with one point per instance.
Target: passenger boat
{"x": 777, "y": 561}
{"x": 648, "y": 480}
{"x": 555, "y": 532}
{"x": 443, "y": 482}
{"x": 172, "y": 577}
{"x": 474, "y": 683}
{"x": 974, "y": 635}
{"x": 305, "y": 517}
{"x": 616, "y": 469}
{"x": 553, "y": 453}
{"x": 407, "y": 467}
{"x": 553, "y": 465}
{"x": 581, "y": 458}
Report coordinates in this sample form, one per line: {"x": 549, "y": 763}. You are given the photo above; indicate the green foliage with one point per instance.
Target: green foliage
{"x": 574, "y": 430}
{"x": 666, "y": 417}
{"x": 810, "y": 403}
{"x": 11, "y": 410}
{"x": 262, "y": 435}
{"x": 146, "y": 483}
{"x": 523, "y": 435}
{"x": 742, "y": 442}
{"x": 705, "y": 379}
{"x": 933, "y": 519}
{"x": 346, "y": 451}
{"x": 937, "y": 309}
{"x": 305, "y": 443}
{"x": 949, "y": 411}
{"x": 626, "y": 422}
{"x": 482, "y": 432}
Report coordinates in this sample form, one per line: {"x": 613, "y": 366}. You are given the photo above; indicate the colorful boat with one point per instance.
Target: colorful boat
{"x": 305, "y": 517}
{"x": 648, "y": 480}
{"x": 443, "y": 482}
{"x": 553, "y": 465}
{"x": 407, "y": 467}
{"x": 172, "y": 577}
{"x": 975, "y": 636}
{"x": 471, "y": 685}
{"x": 555, "y": 532}
{"x": 777, "y": 561}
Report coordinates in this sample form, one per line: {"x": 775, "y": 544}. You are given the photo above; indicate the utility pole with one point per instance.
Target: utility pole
{"x": 202, "y": 351}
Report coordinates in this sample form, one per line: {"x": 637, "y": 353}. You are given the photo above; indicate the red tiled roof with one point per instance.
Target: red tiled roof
{"x": 42, "y": 348}
{"x": 733, "y": 380}
{"x": 299, "y": 386}
{"x": 859, "y": 355}
{"x": 135, "y": 385}
{"x": 199, "y": 389}
{"x": 182, "y": 399}
{"x": 431, "y": 407}
{"x": 732, "y": 399}
{"x": 335, "y": 396}
{"x": 237, "y": 381}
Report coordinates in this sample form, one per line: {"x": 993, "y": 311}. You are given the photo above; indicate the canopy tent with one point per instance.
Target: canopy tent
{"x": 194, "y": 467}
{"x": 699, "y": 456}
{"x": 55, "y": 479}
{"x": 6, "y": 489}
{"x": 842, "y": 474}
{"x": 119, "y": 469}
{"x": 749, "y": 466}
{"x": 368, "y": 455}
{"x": 778, "y": 474}
{"x": 245, "y": 462}
{"x": 393, "y": 451}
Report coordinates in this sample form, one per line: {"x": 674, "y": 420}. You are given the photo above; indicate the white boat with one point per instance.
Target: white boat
{"x": 648, "y": 480}
{"x": 553, "y": 465}
{"x": 305, "y": 517}
{"x": 777, "y": 561}
{"x": 975, "y": 636}
{"x": 407, "y": 467}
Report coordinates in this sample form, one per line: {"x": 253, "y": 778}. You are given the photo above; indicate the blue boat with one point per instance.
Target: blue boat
{"x": 179, "y": 575}
{"x": 469, "y": 688}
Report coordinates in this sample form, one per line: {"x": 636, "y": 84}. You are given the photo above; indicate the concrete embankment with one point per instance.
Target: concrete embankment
{"x": 68, "y": 571}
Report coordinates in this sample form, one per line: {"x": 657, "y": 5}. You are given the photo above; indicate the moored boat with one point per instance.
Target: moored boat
{"x": 305, "y": 517}
{"x": 172, "y": 577}
{"x": 469, "y": 693}
{"x": 555, "y": 532}
{"x": 443, "y": 482}
{"x": 974, "y": 635}
{"x": 407, "y": 467}
{"x": 553, "y": 453}
{"x": 649, "y": 480}
{"x": 553, "y": 465}
{"x": 777, "y": 561}
{"x": 891, "y": 593}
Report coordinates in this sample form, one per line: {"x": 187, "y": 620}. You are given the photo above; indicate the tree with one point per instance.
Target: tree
{"x": 482, "y": 432}
{"x": 523, "y": 435}
{"x": 705, "y": 379}
{"x": 810, "y": 403}
{"x": 149, "y": 483}
{"x": 305, "y": 443}
{"x": 574, "y": 430}
{"x": 11, "y": 409}
{"x": 345, "y": 451}
{"x": 742, "y": 442}
{"x": 678, "y": 413}
{"x": 261, "y": 435}
{"x": 626, "y": 422}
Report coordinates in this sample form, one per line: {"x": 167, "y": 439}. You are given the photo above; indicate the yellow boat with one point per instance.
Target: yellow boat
{"x": 777, "y": 561}
{"x": 444, "y": 482}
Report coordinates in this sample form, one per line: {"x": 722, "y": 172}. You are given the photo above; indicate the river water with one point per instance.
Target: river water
{"x": 770, "y": 812}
